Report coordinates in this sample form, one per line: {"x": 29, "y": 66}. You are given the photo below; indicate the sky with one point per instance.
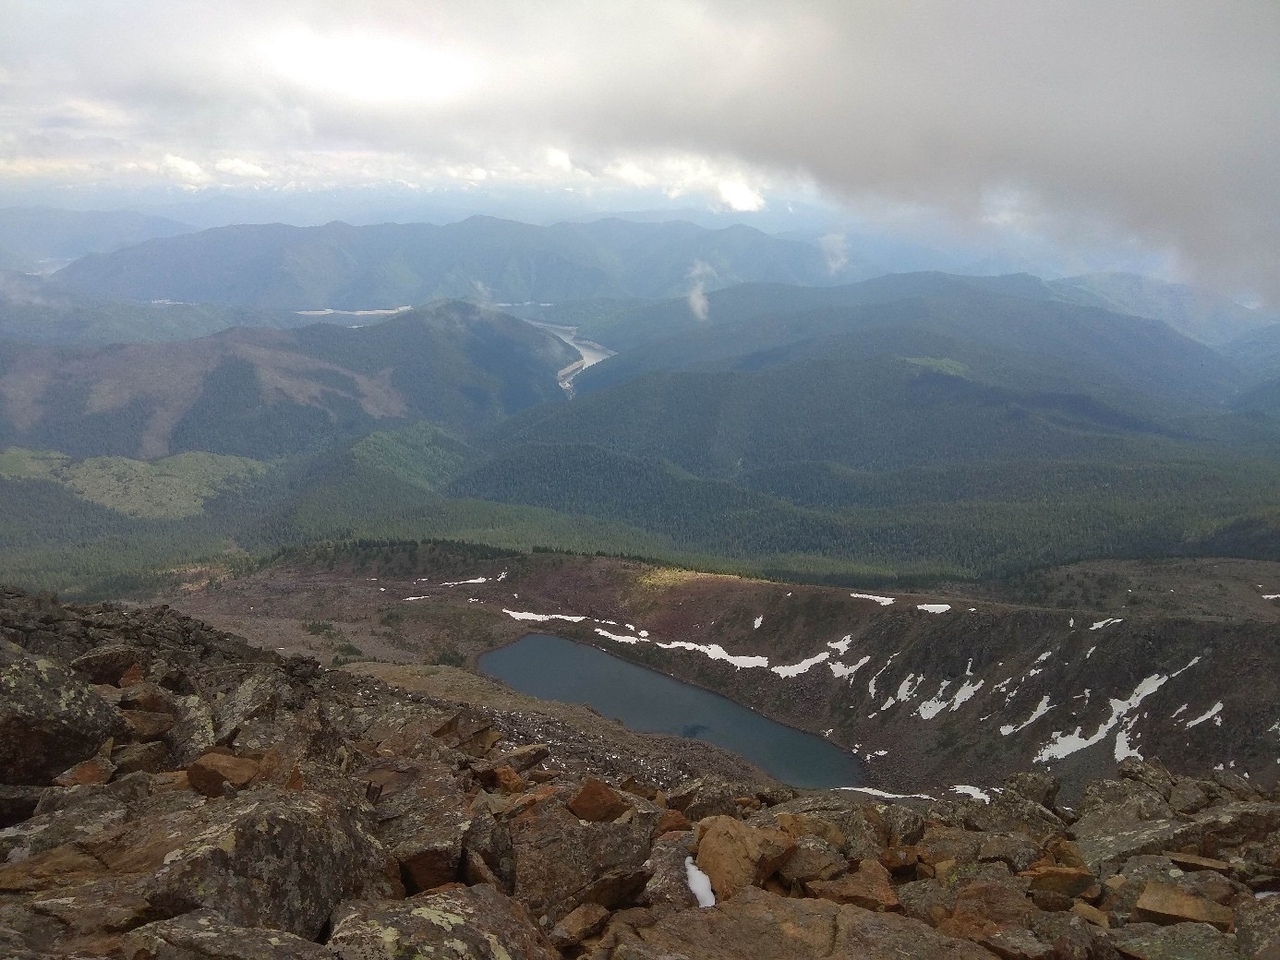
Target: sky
{"x": 1150, "y": 124}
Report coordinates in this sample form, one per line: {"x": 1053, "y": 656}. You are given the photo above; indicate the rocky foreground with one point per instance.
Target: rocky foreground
{"x": 171, "y": 792}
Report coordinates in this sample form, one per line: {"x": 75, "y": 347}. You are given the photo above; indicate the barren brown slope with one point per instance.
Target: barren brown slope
{"x": 924, "y": 694}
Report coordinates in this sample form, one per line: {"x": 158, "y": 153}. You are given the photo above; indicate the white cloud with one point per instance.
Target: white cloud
{"x": 235, "y": 167}
{"x": 1152, "y": 119}
{"x": 740, "y": 197}
{"x": 183, "y": 169}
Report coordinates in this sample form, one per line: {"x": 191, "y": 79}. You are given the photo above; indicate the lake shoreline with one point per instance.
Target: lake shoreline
{"x": 780, "y": 749}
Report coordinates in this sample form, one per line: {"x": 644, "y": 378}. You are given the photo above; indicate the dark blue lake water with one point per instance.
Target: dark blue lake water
{"x": 557, "y": 669}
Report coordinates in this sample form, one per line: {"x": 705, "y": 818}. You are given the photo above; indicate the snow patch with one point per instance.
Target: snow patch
{"x": 1207, "y": 715}
{"x": 933, "y": 607}
{"x": 883, "y": 601}
{"x": 1062, "y": 745}
{"x": 619, "y": 637}
{"x": 935, "y": 704}
{"x": 759, "y": 620}
{"x": 1123, "y": 750}
{"x": 716, "y": 652}
{"x": 699, "y": 884}
{"x": 1106, "y": 623}
{"x": 841, "y": 646}
{"x": 871, "y": 686}
{"x": 839, "y": 670}
{"x": 795, "y": 669}
{"x": 967, "y": 791}
{"x": 886, "y": 795}
{"x": 463, "y": 583}
{"x": 1041, "y": 709}
{"x": 907, "y": 689}
{"x": 535, "y": 617}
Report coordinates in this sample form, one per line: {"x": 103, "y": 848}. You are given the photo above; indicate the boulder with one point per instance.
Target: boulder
{"x": 668, "y": 884}
{"x": 869, "y": 887}
{"x": 266, "y": 858}
{"x": 672, "y": 821}
{"x": 108, "y": 663}
{"x": 1258, "y": 927}
{"x": 707, "y": 797}
{"x": 206, "y": 935}
{"x": 1182, "y": 941}
{"x": 97, "y": 769}
{"x": 420, "y": 817}
{"x": 49, "y": 720}
{"x": 17, "y": 803}
{"x": 140, "y": 758}
{"x": 477, "y": 923}
{"x": 763, "y": 926}
{"x": 1068, "y": 881}
{"x": 1039, "y": 788}
{"x": 1190, "y": 796}
{"x": 561, "y": 862}
{"x": 735, "y": 855}
{"x": 213, "y": 772}
{"x": 519, "y": 760}
{"x": 597, "y": 802}
{"x": 814, "y": 859}
{"x": 1167, "y": 903}
{"x": 585, "y": 921}
{"x": 1015, "y": 850}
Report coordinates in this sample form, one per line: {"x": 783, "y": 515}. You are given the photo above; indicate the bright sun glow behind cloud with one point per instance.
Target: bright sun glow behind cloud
{"x": 740, "y": 197}
{"x": 375, "y": 69}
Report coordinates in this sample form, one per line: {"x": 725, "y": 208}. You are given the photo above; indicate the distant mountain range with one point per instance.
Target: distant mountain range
{"x": 760, "y": 412}
{"x": 344, "y": 267}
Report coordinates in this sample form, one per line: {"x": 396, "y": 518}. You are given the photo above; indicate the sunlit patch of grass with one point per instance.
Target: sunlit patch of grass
{"x": 165, "y": 489}
{"x": 28, "y": 464}
{"x": 666, "y": 578}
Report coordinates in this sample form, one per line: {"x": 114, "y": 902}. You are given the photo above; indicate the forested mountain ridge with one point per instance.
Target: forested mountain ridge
{"x": 913, "y": 425}
{"x": 267, "y": 394}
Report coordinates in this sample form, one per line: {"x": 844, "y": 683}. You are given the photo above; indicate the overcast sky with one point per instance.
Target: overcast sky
{"x": 1156, "y": 120}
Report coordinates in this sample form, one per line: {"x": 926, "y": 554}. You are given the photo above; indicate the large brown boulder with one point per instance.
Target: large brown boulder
{"x": 562, "y": 862}
{"x": 206, "y": 935}
{"x": 49, "y": 720}
{"x": 757, "y": 925}
{"x": 420, "y": 819}
{"x": 266, "y": 858}
{"x": 477, "y": 923}
{"x": 735, "y": 855}
{"x": 269, "y": 859}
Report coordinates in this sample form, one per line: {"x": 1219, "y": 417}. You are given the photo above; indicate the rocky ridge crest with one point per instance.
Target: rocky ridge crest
{"x": 168, "y": 791}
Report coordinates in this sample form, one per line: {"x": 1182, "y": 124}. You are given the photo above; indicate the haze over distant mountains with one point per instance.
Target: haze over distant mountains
{"x": 345, "y": 267}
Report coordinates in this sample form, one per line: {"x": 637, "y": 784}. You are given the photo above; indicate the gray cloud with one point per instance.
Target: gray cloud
{"x": 1153, "y": 119}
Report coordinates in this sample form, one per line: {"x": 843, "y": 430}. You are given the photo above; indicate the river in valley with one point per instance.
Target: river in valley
{"x": 557, "y": 669}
